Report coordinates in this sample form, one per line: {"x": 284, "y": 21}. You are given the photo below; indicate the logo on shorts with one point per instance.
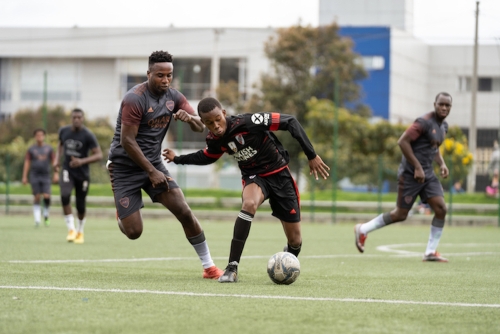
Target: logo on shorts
{"x": 251, "y": 177}
{"x": 170, "y": 105}
{"x": 408, "y": 199}
{"x": 124, "y": 202}
{"x": 293, "y": 211}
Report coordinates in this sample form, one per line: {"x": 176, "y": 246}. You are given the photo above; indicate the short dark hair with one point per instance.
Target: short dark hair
{"x": 39, "y": 130}
{"x": 444, "y": 94}
{"x": 160, "y": 57}
{"x": 208, "y": 104}
{"x": 77, "y": 110}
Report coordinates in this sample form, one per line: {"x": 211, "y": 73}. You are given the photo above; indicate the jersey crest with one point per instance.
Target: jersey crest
{"x": 170, "y": 105}
{"x": 232, "y": 145}
{"x": 240, "y": 139}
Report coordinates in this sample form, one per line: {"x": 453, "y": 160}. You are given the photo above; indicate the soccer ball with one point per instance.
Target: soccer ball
{"x": 283, "y": 268}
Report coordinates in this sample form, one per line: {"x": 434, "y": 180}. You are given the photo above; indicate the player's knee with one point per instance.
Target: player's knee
{"x": 250, "y": 205}
{"x": 133, "y": 234}
{"x": 399, "y": 216}
{"x": 65, "y": 199}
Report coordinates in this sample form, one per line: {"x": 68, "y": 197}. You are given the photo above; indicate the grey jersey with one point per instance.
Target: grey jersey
{"x": 41, "y": 158}
{"x": 426, "y": 136}
{"x": 77, "y": 144}
{"x": 152, "y": 114}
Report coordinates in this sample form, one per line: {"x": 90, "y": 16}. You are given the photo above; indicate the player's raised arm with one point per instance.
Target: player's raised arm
{"x": 201, "y": 157}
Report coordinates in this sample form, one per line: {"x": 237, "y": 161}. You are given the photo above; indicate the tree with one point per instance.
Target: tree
{"x": 307, "y": 62}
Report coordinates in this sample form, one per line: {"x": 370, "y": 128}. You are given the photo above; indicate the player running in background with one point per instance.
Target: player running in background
{"x": 420, "y": 146}
{"x": 75, "y": 142}
{"x": 135, "y": 156}
{"x": 264, "y": 167}
{"x": 37, "y": 162}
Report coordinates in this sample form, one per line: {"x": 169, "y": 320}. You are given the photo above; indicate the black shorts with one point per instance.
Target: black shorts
{"x": 127, "y": 182}
{"x": 282, "y": 192}
{"x": 40, "y": 184}
{"x": 409, "y": 189}
{"x": 67, "y": 182}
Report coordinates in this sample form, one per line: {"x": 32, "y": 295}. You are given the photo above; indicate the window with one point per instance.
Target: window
{"x": 371, "y": 63}
{"x": 484, "y": 84}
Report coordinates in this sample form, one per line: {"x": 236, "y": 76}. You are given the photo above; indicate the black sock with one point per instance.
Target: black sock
{"x": 240, "y": 235}
{"x": 294, "y": 250}
{"x": 46, "y": 201}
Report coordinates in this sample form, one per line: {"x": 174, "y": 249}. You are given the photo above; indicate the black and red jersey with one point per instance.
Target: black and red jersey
{"x": 153, "y": 115}
{"x": 250, "y": 141}
{"x": 426, "y": 134}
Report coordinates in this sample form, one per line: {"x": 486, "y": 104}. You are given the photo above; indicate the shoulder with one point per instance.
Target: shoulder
{"x": 64, "y": 129}
{"x": 137, "y": 93}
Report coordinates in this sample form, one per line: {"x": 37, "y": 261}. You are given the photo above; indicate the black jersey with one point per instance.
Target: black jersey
{"x": 249, "y": 140}
{"x": 77, "y": 144}
{"x": 426, "y": 134}
{"x": 41, "y": 159}
{"x": 153, "y": 115}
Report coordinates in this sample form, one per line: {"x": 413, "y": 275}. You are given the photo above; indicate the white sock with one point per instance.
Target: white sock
{"x": 37, "y": 213}
{"x": 204, "y": 254}
{"x": 372, "y": 225}
{"x": 45, "y": 212}
{"x": 81, "y": 224}
{"x": 70, "y": 222}
{"x": 434, "y": 238}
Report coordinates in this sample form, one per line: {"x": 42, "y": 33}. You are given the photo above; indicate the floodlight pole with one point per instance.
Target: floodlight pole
{"x": 44, "y": 106}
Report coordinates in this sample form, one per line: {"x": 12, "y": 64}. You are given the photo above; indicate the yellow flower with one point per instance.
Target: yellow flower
{"x": 448, "y": 144}
{"x": 459, "y": 149}
{"x": 465, "y": 160}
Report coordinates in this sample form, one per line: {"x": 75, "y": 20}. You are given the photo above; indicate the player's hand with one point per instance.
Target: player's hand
{"x": 25, "y": 180}
{"x": 419, "y": 175}
{"x": 55, "y": 178}
{"x": 182, "y": 115}
{"x": 168, "y": 155}
{"x": 316, "y": 166}
{"x": 444, "y": 171}
{"x": 159, "y": 179}
{"x": 75, "y": 162}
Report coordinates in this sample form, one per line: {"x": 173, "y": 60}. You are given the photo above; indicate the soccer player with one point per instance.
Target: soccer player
{"x": 38, "y": 161}
{"x": 75, "y": 142}
{"x": 264, "y": 167}
{"x": 135, "y": 156}
{"x": 420, "y": 146}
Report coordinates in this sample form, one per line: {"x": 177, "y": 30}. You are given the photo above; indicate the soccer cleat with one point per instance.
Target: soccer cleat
{"x": 359, "y": 238}
{"x": 71, "y": 236}
{"x": 212, "y": 273}
{"x": 79, "y": 238}
{"x": 434, "y": 257}
{"x": 230, "y": 274}
{"x": 47, "y": 222}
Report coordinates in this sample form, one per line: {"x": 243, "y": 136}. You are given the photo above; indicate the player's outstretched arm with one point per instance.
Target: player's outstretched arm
{"x": 168, "y": 155}
{"x": 316, "y": 166}
{"x": 196, "y": 158}
{"x": 194, "y": 121}
{"x": 26, "y": 168}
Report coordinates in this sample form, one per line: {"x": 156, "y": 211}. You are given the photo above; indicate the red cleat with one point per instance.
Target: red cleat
{"x": 434, "y": 257}
{"x": 359, "y": 238}
{"x": 212, "y": 273}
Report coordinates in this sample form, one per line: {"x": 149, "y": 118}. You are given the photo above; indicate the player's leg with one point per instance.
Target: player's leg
{"x": 408, "y": 190}
{"x": 81, "y": 191}
{"x": 252, "y": 197}
{"x": 46, "y": 191}
{"x": 126, "y": 184}
{"x": 433, "y": 195}
{"x": 294, "y": 237}
{"x": 36, "y": 189}
{"x": 173, "y": 199}
{"x": 66, "y": 184}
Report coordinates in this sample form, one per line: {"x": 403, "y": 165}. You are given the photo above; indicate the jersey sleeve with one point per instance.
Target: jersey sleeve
{"x": 132, "y": 110}
{"x": 184, "y": 105}
{"x": 92, "y": 140}
{"x": 416, "y": 129}
{"x": 202, "y": 157}
{"x": 285, "y": 122}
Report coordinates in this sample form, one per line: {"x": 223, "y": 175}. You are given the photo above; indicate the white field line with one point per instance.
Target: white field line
{"x": 223, "y": 295}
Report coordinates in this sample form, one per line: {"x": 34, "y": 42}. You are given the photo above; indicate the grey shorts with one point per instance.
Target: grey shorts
{"x": 282, "y": 192}
{"x": 409, "y": 189}
{"x": 40, "y": 184}
{"x": 127, "y": 182}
